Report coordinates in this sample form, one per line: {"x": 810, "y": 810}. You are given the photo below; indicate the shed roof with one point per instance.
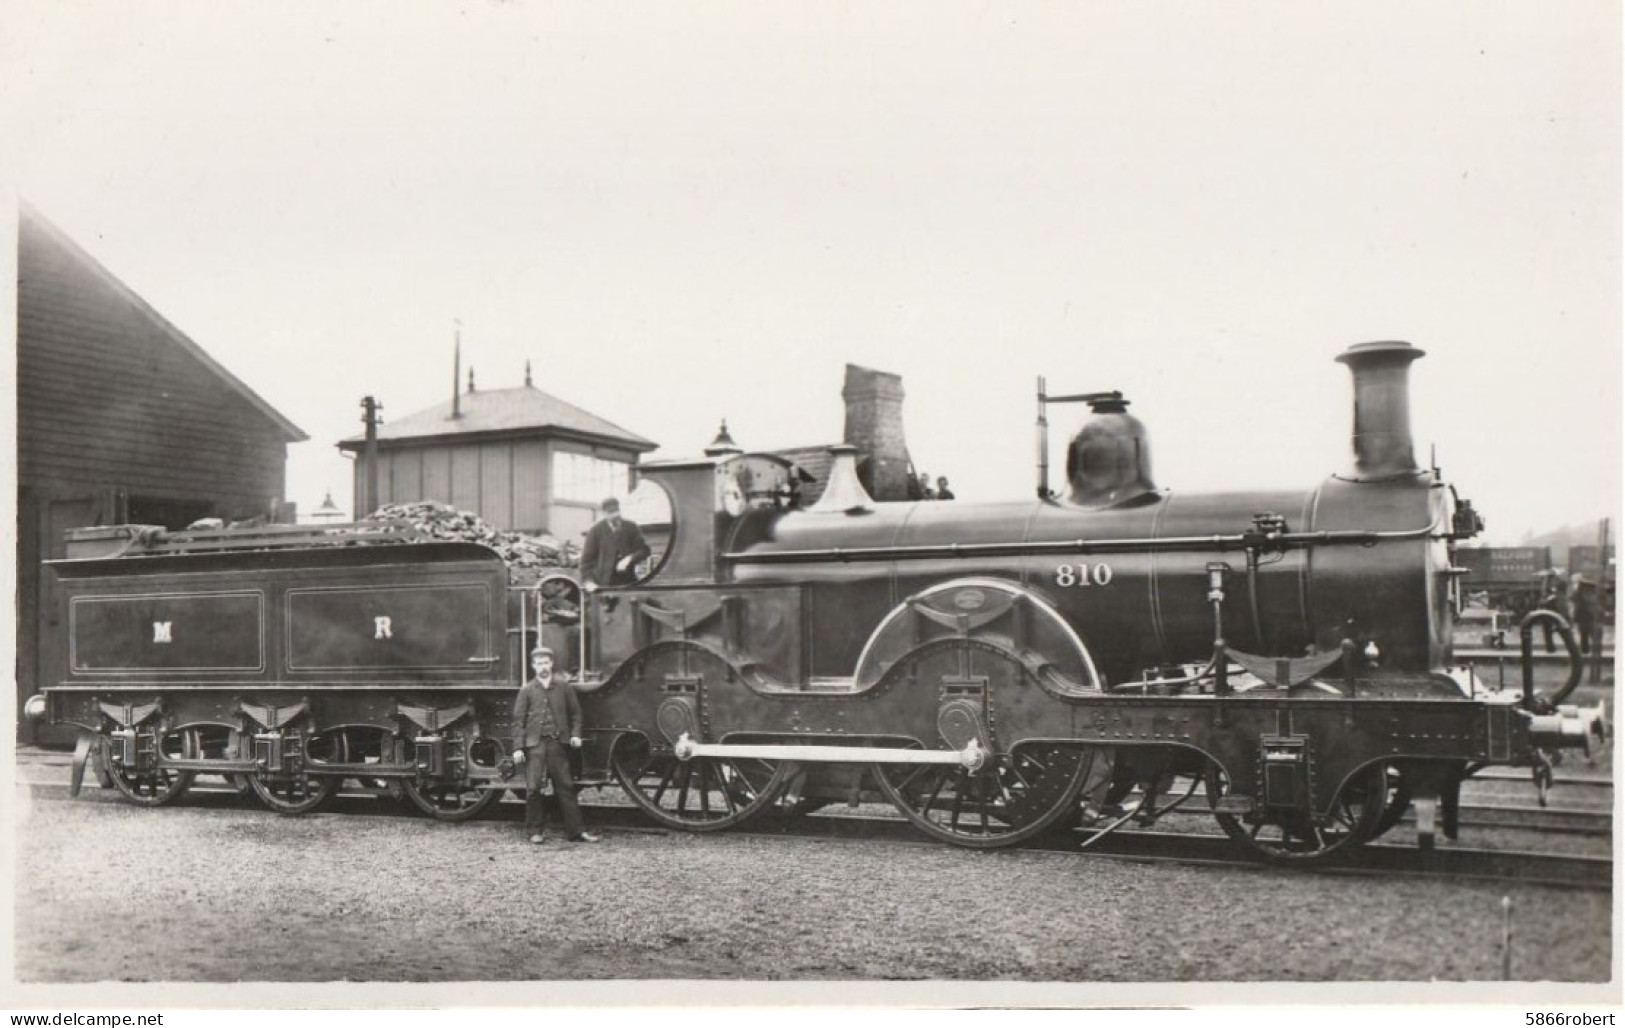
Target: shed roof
{"x": 525, "y": 410}
{"x": 816, "y": 461}
{"x": 33, "y": 220}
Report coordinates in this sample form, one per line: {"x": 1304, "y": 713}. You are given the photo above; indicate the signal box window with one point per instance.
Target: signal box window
{"x": 587, "y": 479}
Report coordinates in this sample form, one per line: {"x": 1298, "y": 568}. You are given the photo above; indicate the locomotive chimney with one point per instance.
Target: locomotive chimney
{"x": 1382, "y": 409}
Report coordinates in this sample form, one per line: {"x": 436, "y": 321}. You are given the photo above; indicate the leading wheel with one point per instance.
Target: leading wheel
{"x": 450, "y": 802}
{"x": 1011, "y": 798}
{"x": 703, "y": 794}
{"x": 1293, "y": 837}
{"x": 293, "y": 794}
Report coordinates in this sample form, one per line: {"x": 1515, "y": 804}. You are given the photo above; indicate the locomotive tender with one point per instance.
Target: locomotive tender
{"x": 991, "y": 670}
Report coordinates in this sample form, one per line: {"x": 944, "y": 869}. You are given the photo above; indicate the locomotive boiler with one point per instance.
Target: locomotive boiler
{"x": 1094, "y": 654}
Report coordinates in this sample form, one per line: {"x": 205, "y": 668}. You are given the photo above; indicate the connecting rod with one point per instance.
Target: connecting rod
{"x": 971, "y": 757}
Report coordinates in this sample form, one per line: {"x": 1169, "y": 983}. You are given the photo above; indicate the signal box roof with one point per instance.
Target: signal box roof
{"x": 524, "y": 411}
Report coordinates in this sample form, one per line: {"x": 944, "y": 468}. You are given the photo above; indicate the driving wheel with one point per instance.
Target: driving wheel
{"x": 702, "y": 794}
{"x": 1010, "y": 798}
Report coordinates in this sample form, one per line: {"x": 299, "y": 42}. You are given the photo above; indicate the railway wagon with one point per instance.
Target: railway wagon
{"x": 1105, "y": 651}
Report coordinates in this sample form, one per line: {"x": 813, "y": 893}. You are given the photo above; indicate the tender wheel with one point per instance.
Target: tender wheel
{"x": 704, "y": 794}
{"x": 1294, "y": 838}
{"x": 354, "y": 745}
{"x": 152, "y": 788}
{"x": 209, "y": 742}
{"x": 1009, "y": 799}
{"x": 293, "y": 794}
{"x": 445, "y": 802}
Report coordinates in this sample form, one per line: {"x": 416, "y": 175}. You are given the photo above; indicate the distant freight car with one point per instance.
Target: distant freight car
{"x": 1507, "y": 577}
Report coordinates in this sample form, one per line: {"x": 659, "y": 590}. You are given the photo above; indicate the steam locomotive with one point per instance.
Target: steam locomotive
{"x": 1097, "y": 654}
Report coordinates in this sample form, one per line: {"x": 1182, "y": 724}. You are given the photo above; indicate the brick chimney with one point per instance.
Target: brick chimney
{"x": 874, "y": 424}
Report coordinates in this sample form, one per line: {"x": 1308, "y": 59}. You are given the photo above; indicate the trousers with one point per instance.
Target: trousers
{"x": 551, "y": 758}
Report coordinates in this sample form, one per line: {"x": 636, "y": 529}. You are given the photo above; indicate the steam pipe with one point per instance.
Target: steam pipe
{"x": 1526, "y": 642}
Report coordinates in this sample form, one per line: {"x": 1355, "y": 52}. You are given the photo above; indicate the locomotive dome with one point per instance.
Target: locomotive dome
{"x": 1109, "y": 461}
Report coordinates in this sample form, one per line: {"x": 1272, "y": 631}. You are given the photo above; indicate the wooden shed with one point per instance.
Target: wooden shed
{"x": 121, "y": 418}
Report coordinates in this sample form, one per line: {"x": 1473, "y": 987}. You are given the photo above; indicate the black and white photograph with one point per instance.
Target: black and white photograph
{"x": 684, "y": 506}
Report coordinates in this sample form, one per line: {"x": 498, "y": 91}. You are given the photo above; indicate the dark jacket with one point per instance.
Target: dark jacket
{"x": 1585, "y": 605}
{"x": 604, "y": 548}
{"x": 529, "y": 725}
{"x": 1555, "y": 599}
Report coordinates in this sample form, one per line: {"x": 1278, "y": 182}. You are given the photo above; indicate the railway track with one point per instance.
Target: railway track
{"x": 1583, "y": 780}
{"x": 1160, "y": 844}
{"x": 1546, "y": 820}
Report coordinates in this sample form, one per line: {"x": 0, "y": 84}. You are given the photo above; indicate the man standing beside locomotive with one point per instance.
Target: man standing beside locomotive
{"x": 613, "y": 548}
{"x": 1583, "y": 601}
{"x": 544, "y": 716}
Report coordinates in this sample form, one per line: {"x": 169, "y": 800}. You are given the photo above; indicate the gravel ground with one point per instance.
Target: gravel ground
{"x": 219, "y": 895}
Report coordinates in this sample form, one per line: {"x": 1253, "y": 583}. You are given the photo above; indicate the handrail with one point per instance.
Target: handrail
{"x": 1192, "y": 543}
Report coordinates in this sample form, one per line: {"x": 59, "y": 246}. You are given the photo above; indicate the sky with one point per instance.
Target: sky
{"x": 681, "y": 213}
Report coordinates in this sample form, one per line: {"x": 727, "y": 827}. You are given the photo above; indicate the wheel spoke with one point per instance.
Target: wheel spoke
{"x": 727, "y": 791}
{"x": 942, "y": 780}
{"x": 1296, "y": 836}
{"x": 679, "y": 793}
{"x": 909, "y": 776}
{"x": 682, "y": 793}
{"x": 959, "y": 802}
{"x": 150, "y": 788}
{"x": 665, "y": 781}
{"x": 295, "y": 795}
{"x": 1011, "y": 799}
